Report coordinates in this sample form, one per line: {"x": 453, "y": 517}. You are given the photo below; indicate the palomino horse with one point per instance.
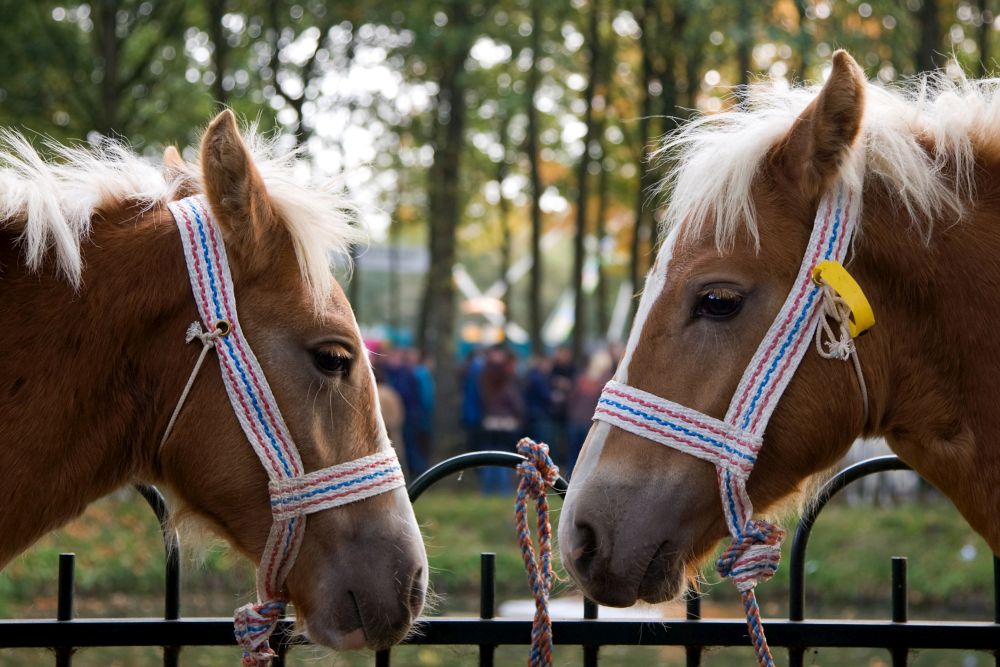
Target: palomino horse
{"x": 96, "y": 298}
{"x": 745, "y": 188}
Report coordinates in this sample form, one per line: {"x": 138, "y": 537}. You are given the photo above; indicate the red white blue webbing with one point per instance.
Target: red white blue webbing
{"x": 732, "y": 444}
{"x": 676, "y": 426}
{"x": 335, "y": 486}
{"x": 294, "y": 493}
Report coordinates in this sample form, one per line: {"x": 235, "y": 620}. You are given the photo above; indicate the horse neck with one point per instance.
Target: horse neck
{"x": 932, "y": 359}
{"x": 87, "y": 388}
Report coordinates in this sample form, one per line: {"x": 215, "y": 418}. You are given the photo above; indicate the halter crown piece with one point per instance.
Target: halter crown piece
{"x": 732, "y": 444}
{"x": 294, "y": 493}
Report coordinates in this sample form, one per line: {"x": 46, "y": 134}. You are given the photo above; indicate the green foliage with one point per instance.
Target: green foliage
{"x": 378, "y": 70}
{"x": 116, "y": 67}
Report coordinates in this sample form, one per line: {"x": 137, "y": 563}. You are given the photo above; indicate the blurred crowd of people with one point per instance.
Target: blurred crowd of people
{"x": 405, "y": 383}
{"x": 550, "y": 400}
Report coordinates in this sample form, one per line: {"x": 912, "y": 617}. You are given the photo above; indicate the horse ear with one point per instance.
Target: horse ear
{"x": 821, "y": 137}
{"x": 178, "y": 174}
{"x": 172, "y": 161}
{"x": 234, "y": 187}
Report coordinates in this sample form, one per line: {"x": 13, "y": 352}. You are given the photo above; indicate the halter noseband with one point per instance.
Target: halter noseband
{"x": 294, "y": 493}
{"x": 732, "y": 444}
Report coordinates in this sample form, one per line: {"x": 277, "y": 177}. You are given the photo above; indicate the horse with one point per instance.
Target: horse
{"x": 922, "y": 162}
{"x": 95, "y": 297}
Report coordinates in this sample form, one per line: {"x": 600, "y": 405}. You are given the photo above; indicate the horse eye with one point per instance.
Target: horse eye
{"x": 718, "y": 304}
{"x": 330, "y": 362}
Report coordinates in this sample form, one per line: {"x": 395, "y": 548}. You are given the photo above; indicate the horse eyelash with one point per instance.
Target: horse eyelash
{"x": 724, "y": 292}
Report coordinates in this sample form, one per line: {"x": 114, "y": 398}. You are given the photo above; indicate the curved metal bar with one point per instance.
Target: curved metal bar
{"x": 836, "y": 484}
{"x": 462, "y": 462}
{"x": 171, "y": 547}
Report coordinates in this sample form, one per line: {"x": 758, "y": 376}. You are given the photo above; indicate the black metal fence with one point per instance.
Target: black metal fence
{"x": 797, "y": 634}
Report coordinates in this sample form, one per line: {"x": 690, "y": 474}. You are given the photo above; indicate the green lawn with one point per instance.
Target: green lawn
{"x": 120, "y": 564}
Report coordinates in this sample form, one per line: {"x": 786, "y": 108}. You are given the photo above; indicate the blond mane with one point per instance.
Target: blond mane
{"x": 51, "y": 202}
{"x": 920, "y": 139}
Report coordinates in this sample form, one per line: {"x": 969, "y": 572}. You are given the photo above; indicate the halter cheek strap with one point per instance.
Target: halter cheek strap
{"x": 293, "y": 492}
{"x": 732, "y": 443}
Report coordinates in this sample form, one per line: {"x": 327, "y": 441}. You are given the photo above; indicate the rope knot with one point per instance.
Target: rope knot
{"x": 536, "y": 472}
{"x": 538, "y": 466}
{"x": 834, "y": 343}
{"x": 254, "y": 625}
{"x": 839, "y": 344}
{"x": 207, "y": 338}
{"x": 839, "y": 349}
{"x": 753, "y": 557}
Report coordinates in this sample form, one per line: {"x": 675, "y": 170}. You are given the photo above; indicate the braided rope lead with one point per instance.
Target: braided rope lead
{"x": 748, "y": 561}
{"x": 756, "y": 628}
{"x": 535, "y": 473}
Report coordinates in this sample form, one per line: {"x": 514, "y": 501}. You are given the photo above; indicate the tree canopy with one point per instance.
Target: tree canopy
{"x": 503, "y": 142}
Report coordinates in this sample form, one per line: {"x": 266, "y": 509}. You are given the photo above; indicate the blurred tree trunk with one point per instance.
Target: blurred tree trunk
{"x": 535, "y": 186}
{"x": 744, "y": 41}
{"x": 983, "y": 37}
{"x": 444, "y": 198}
{"x": 644, "y": 18}
{"x": 603, "y": 183}
{"x": 804, "y": 39}
{"x": 108, "y": 45}
{"x": 930, "y": 35}
{"x": 394, "y": 305}
{"x": 603, "y": 198}
{"x": 665, "y": 72}
{"x": 583, "y": 183}
{"x": 216, "y": 9}
{"x": 503, "y": 168}
{"x": 694, "y": 57}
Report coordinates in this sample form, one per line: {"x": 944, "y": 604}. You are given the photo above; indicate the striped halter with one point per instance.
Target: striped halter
{"x": 732, "y": 444}
{"x": 294, "y": 493}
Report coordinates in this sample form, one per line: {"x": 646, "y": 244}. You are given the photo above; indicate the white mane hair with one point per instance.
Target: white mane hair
{"x": 52, "y": 201}
{"x": 713, "y": 161}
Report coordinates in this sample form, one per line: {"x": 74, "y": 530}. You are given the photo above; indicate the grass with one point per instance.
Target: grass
{"x": 120, "y": 573}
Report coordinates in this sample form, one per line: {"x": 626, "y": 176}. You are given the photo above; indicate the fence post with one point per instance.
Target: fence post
{"x": 899, "y": 609}
{"x": 692, "y": 612}
{"x": 487, "y": 602}
{"x": 996, "y": 601}
{"x": 590, "y": 611}
{"x": 64, "y": 612}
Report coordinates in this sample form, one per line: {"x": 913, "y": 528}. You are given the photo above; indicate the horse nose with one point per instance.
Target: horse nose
{"x": 582, "y": 552}
{"x": 387, "y": 623}
{"x": 589, "y": 561}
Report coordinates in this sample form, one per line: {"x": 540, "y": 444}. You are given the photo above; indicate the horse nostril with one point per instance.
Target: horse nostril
{"x": 585, "y": 549}
{"x": 415, "y": 596}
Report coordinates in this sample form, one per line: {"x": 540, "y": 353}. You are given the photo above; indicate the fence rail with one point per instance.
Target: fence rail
{"x": 897, "y": 634}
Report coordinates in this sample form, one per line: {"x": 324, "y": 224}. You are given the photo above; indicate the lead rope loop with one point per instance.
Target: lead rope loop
{"x": 207, "y": 339}
{"x": 536, "y": 473}
{"x": 832, "y": 344}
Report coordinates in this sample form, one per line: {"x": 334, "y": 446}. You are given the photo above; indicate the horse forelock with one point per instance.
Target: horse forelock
{"x": 919, "y": 139}
{"x": 50, "y": 196}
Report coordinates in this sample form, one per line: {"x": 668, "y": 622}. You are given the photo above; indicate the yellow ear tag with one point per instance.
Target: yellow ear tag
{"x": 836, "y": 276}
